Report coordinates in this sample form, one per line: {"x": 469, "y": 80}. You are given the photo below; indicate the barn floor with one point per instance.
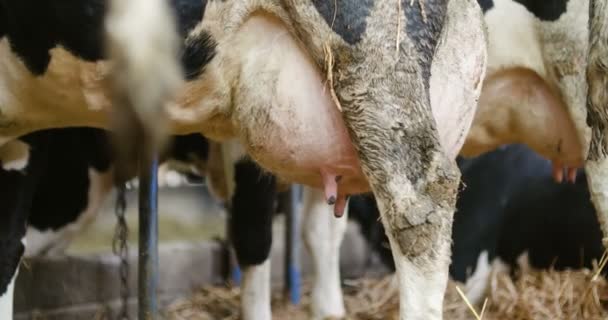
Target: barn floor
{"x": 185, "y": 214}
{"x": 531, "y": 296}
{"x": 188, "y": 214}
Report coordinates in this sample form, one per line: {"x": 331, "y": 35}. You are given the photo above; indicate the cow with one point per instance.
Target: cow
{"x": 252, "y": 202}
{"x": 53, "y": 185}
{"x": 80, "y": 161}
{"x": 341, "y": 98}
{"x": 33, "y": 34}
{"x": 77, "y": 177}
{"x": 381, "y": 161}
{"x": 510, "y": 210}
{"x": 70, "y": 189}
{"x": 545, "y": 86}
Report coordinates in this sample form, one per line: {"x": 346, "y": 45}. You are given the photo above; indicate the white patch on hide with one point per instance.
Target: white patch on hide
{"x": 421, "y": 292}
{"x": 168, "y": 177}
{"x": 566, "y": 47}
{"x": 323, "y": 234}
{"x": 255, "y": 292}
{"x": 6, "y": 299}
{"x": 513, "y": 40}
{"x": 456, "y": 79}
{"x": 477, "y": 284}
{"x": 14, "y": 155}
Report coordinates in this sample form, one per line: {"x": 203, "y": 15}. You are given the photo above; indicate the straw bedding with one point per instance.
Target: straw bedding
{"x": 531, "y": 295}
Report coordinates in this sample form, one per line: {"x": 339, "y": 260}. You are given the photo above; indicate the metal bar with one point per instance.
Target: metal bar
{"x": 148, "y": 239}
{"x": 290, "y": 204}
{"x": 236, "y": 270}
{"x": 233, "y": 271}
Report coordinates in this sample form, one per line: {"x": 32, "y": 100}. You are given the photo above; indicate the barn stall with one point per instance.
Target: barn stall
{"x": 196, "y": 282}
{"x": 528, "y": 295}
{"x": 191, "y": 255}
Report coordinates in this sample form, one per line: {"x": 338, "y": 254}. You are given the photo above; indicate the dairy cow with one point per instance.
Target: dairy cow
{"x": 76, "y": 176}
{"x": 545, "y": 86}
{"x": 253, "y": 204}
{"x": 31, "y": 35}
{"x": 378, "y": 104}
{"x": 53, "y": 184}
{"x": 557, "y": 96}
{"x": 243, "y": 60}
{"x": 509, "y": 210}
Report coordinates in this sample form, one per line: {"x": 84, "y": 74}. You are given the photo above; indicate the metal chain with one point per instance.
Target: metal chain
{"x": 121, "y": 249}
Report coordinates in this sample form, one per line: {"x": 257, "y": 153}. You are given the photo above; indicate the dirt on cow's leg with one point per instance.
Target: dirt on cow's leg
{"x": 381, "y": 81}
{"x": 414, "y": 182}
{"x": 597, "y": 111}
{"x": 419, "y": 227}
{"x": 415, "y": 186}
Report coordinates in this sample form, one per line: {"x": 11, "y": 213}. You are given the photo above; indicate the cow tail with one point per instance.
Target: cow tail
{"x": 143, "y": 45}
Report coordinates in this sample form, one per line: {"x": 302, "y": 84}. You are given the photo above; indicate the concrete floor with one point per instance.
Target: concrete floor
{"x": 78, "y": 285}
{"x": 185, "y": 214}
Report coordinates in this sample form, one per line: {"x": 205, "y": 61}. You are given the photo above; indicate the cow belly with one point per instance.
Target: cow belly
{"x": 289, "y": 122}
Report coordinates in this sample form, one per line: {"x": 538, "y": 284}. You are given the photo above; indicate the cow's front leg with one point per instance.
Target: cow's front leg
{"x": 597, "y": 111}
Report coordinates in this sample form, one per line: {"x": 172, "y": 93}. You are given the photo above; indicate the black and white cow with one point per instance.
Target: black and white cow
{"x": 31, "y": 34}
{"x": 510, "y": 210}
{"x": 410, "y": 175}
{"x": 79, "y": 160}
{"x": 365, "y": 95}
{"x": 545, "y": 86}
{"x": 77, "y": 176}
{"x": 253, "y": 201}
{"x": 53, "y": 185}
{"x": 69, "y": 191}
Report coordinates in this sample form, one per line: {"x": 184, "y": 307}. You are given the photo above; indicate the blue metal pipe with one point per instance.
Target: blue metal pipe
{"x": 291, "y": 205}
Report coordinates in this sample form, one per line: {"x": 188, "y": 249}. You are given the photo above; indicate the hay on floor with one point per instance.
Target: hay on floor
{"x": 532, "y": 295}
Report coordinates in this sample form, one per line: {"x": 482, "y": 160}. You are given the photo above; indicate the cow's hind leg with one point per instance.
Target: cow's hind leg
{"x": 416, "y": 193}
{"x": 253, "y": 206}
{"x": 597, "y": 111}
{"x": 323, "y": 235}
{"x": 415, "y": 185}
{"x": 418, "y": 222}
